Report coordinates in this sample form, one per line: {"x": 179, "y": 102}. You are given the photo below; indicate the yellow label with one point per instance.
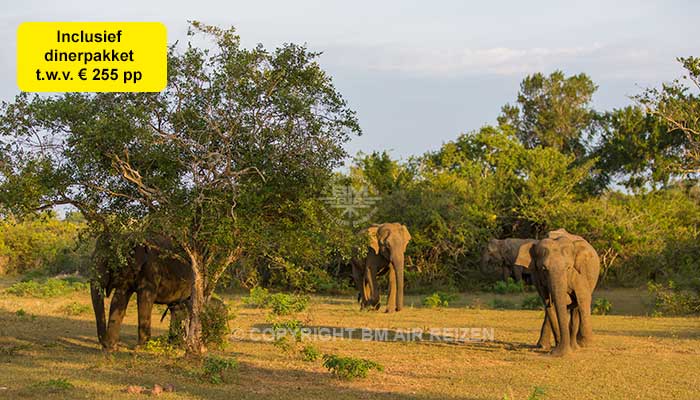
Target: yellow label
{"x": 92, "y": 57}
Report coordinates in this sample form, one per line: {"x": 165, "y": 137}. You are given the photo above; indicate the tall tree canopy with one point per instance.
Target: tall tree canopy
{"x": 236, "y": 133}
{"x": 552, "y": 111}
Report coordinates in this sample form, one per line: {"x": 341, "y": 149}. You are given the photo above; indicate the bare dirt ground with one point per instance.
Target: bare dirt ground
{"x": 634, "y": 356}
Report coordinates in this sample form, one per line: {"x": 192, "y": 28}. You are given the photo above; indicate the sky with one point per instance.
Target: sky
{"x": 420, "y": 73}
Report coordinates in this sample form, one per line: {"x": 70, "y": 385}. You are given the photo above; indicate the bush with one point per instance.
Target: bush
{"x": 349, "y": 367}
{"x": 503, "y": 304}
{"x": 258, "y": 298}
{"x": 217, "y": 369}
{"x": 285, "y": 304}
{"x": 509, "y": 286}
{"x": 602, "y": 306}
{"x": 293, "y": 327}
{"x": 310, "y": 353}
{"x": 532, "y": 303}
{"x": 43, "y": 243}
{"x": 51, "y": 287}
{"x": 215, "y": 319}
{"x": 75, "y": 308}
{"x": 439, "y": 299}
{"x": 54, "y": 385}
{"x": 669, "y": 300}
{"x": 161, "y": 346}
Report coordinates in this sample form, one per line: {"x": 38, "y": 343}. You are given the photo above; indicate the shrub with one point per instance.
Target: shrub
{"x": 55, "y": 385}
{"x": 21, "y": 313}
{"x": 285, "y": 304}
{"x": 310, "y": 353}
{"x": 532, "y": 303}
{"x": 439, "y": 299}
{"x": 508, "y": 286}
{"x": 602, "y": 306}
{"x": 75, "y": 308}
{"x": 503, "y": 304}
{"x": 669, "y": 300}
{"x": 217, "y": 369}
{"x": 161, "y": 346}
{"x": 258, "y": 298}
{"x": 293, "y": 327}
{"x": 51, "y": 287}
{"x": 215, "y": 327}
{"x": 349, "y": 367}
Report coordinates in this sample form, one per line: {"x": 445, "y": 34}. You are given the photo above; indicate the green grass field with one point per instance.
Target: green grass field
{"x": 49, "y": 351}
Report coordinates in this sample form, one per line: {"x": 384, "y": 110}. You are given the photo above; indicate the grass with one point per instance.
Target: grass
{"x": 634, "y": 355}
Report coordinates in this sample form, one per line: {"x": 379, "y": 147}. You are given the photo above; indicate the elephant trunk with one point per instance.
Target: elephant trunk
{"x": 560, "y": 297}
{"x": 98, "y": 305}
{"x": 397, "y": 260}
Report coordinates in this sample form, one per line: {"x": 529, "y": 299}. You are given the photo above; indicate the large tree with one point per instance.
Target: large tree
{"x": 235, "y": 133}
{"x": 678, "y": 105}
{"x": 552, "y": 111}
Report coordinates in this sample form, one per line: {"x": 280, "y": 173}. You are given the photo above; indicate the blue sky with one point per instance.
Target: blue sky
{"x": 419, "y": 73}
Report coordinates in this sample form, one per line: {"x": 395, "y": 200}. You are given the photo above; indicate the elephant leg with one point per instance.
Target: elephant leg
{"x": 560, "y": 298}
{"x": 518, "y": 273}
{"x": 506, "y": 272}
{"x": 391, "y": 301}
{"x": 117, "y": 310}
{"x": 145, "y": 299}
{"x": 98, "y": 306}
{"x": 551, "y": 318}
{"x": 545, "y": 340}
{"x": 575, "y": 322}
{"x": 397, "y": 264}
{"x": 584, "y": 313}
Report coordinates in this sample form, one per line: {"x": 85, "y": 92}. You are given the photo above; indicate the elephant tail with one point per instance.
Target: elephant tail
{"x": 98, "y": 305}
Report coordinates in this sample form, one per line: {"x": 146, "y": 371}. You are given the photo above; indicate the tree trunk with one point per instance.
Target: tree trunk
{"x": 195, "y": 345}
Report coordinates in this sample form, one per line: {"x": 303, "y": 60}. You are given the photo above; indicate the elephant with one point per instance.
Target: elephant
{"x": 565, "y": 270}
{"x": 154, "y": 274}
{"x": 502, "y": 254}
{"x": 385, "y": 254}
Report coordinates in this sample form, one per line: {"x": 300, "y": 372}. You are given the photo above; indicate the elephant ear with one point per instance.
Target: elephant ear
{"x": 372, "y": 238}
{"x": 524, "y": 258}
{"x": 406, "y": 235}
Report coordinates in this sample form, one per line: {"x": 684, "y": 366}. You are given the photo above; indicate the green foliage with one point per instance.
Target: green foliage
{"x": 215, "y": 323}
{"x": 678, "y": 104}
{"x": 291, "y": 327}
{"x": 258, "y": 298}
{"x": 285, "y": 304}
{"x": 75, "y": 308}
{"x": 54, "y": 385}
{"x": 160, "y": 345}
{"x": 439, "y": 299}
{"x": 51, "y": 287}
{"x": 669, "y": 300}
{"x": 508, "y": 286}
{"x": 348, "y": 367}
{"x": 42, "y": 244}
{"x": 503, "y": 304}
{"x": 602, "y": 306}
{"x": 533, "y": 302}
{"x": 310, "y": 353}
{"x": 552, "y": 111}
{"x": 218, "y": 370}
{"x": 21, "y": 313}
{"x": 537, "y": 394}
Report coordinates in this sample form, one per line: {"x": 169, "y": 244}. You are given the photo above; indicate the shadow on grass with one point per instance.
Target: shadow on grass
{"x": 34, "y": 350}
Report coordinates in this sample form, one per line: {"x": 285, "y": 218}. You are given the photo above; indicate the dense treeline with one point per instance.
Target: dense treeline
{"x": 622, "y": 178}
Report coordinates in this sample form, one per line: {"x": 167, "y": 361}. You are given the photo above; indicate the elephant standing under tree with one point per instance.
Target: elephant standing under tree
{"x": 565, "y": 270}
{"x": 153, "y": 274}
{"x": 385, "y": 254}
{"x": 502, "y": 254}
